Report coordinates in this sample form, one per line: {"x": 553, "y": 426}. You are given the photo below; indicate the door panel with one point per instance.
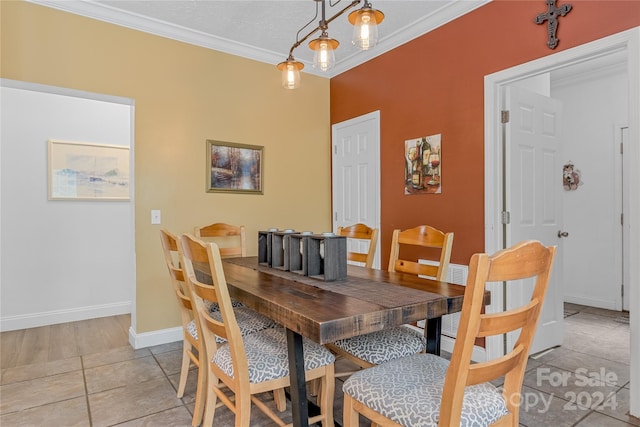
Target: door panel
{"x": 533, "y": 176}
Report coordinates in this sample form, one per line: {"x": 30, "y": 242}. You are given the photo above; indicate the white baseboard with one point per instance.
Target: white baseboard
{"x": 34, "y": 320}
{"x": 149, "y": 339}
{"x": 590, "y": 302}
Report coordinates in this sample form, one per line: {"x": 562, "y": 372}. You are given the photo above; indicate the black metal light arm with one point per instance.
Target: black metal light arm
{"x": 323, "y": 25}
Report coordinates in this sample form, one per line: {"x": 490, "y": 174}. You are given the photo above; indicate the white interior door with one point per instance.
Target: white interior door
{"x": 533, "y": 182}
{"x": 356, "y": 175}
{"x": 592, "y": 251}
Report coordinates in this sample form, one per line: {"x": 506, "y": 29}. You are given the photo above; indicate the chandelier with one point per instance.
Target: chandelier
{"x": 365, "y": 36}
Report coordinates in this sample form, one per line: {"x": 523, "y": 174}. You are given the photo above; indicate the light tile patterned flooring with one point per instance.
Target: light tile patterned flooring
{"x": 85, "y": 374}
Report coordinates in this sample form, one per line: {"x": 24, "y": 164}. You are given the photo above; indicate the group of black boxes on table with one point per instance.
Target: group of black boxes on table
{"x": 321, "y": 256}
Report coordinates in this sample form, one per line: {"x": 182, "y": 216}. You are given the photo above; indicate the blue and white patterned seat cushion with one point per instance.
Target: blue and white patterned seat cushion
{"x": 192, "y": 329}
{"x": 267, "y": 355}
{"x": 248, "y": 320}
{"x": 383, "y": 346}
{"x": 409, "y": 390}
{"x": 213, "y": 306}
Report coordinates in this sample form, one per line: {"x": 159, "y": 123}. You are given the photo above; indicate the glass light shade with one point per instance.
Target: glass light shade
{"x": 290, "y": 73}
{"x": 365, "y": 27}
{"x": 324, "y": 57}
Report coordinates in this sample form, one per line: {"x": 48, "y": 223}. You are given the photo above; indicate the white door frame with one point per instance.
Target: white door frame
{"x": 626, "y": 41}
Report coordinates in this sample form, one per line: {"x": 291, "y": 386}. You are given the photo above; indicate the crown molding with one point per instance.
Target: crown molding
{"x": 156, "y": 27}
{"x": 438, "y": 18}
{"x": 105, "y": 13}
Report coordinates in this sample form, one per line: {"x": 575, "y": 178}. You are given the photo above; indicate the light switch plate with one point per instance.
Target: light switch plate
{"x": 155, "y": 216}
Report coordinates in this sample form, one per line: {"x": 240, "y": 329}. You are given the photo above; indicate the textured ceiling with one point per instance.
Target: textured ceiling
{"x": 265, "y": 30}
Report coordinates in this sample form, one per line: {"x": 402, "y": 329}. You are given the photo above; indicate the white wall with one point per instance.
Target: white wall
{"x": 595, "y": 102}
{"x": 60, "y": 260}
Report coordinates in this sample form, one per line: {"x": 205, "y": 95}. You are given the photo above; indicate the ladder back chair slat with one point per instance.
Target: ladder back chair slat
{"x": 361, "y": 232}
{"x": 423, "y": 236}
{"x": 231, "y": 239}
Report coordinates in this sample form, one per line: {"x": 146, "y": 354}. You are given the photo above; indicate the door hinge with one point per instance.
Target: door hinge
{"x": 621, "y": 148}
{"x": 622, "y": 290}
{"x": 504, "y": 116}
{"x": 335, "y": 150}
{"x": 335, "y": 216}
{"x": 506, "y": 217}
{"x": 622, "y": 219}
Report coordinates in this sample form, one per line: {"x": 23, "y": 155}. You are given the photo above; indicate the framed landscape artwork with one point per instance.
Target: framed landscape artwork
{"x": 87, "y": 171}
{"x": 234, "y": 168}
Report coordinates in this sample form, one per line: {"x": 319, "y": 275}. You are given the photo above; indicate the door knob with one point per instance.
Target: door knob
{"x": 563, "y": 233}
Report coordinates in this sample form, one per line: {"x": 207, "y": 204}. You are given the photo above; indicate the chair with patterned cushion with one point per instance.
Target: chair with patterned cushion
{"x": 229, "y": 238}
{"x": 359, "y": 234}
{"x": 249, "y": 320}
{"x": 425, "y": 390}
{"x": 382, "y": 346}
{"x": 246, "y": 366}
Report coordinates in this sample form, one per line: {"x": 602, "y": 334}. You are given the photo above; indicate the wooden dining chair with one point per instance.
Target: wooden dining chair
{"x": 361, "y": 233}
{"x": 245, "y": 366}
{"x": 192, "y": 351}
{"x": 382, "y": 346}
{"x": 191, "y": 348}
{"x": 229, "y": 238}
{"x": 427, "y": 390}
{"x": 423, "y": 236}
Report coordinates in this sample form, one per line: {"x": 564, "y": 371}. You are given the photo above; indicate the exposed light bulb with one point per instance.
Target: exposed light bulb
{"x": 324, "y": 57}
{"x": 291, "y": 77}
{"x": 290, "y": 73}
{"x": 365, "y": 30}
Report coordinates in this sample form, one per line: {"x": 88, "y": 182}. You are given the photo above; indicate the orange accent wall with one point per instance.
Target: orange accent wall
{"x": 435, "y": 84}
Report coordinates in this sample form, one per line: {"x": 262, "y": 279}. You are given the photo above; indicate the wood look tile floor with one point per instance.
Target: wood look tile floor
{"x": 86, "y": 374}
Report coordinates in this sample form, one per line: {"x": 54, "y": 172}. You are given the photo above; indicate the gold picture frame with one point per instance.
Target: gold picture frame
{"x": 234, "y": 168}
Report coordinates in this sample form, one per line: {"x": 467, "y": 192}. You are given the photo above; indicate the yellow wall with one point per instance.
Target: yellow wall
{"x": 183, "y": 96}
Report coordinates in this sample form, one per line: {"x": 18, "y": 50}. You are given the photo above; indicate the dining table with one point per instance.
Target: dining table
{"x": 367, "y": 300}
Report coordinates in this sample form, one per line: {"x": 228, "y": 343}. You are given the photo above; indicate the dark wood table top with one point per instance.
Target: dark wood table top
{"x": 368, "y": 300}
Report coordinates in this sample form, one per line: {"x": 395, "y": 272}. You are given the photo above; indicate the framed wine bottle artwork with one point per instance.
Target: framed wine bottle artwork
{"x": 423, "y": 165}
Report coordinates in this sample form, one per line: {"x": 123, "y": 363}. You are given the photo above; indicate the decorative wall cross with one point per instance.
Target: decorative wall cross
{"x": 551, "y": 15}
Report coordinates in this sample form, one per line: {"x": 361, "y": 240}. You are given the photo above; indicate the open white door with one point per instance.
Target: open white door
{"x": 356, "y": 175}
{"x": 533, "y": 182}
{"x": 626, "y": 229}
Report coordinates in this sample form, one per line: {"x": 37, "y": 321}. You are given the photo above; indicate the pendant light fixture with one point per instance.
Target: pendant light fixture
{"x": 365, "y": 26}
{"x": 290, "y": 72}
{"x": 324, "y": 47}
{"x": 365, "y": 36}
